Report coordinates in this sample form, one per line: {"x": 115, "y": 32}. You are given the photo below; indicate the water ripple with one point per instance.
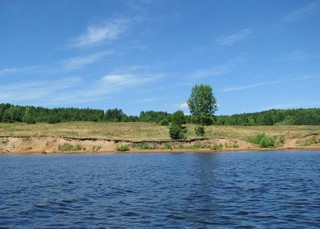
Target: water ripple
{"x": 223, "y": 190}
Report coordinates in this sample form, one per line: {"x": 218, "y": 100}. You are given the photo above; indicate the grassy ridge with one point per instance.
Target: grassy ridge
{"x": 146, "y": 131}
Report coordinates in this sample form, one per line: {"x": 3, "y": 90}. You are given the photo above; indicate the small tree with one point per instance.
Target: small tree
{"x": 202, "y": 104}
{"x": 28, "y": 116}
{"x": 177, "y": 129}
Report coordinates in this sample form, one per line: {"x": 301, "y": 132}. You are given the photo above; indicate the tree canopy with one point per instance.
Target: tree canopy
{"x": 202, "y": 104}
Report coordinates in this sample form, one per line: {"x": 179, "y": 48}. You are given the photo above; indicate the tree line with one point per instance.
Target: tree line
{"x": 30, "y": 114}
{"x": 272, "y": 117}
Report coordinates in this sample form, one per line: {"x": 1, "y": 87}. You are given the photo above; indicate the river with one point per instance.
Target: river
{"x": 279, "y": 189}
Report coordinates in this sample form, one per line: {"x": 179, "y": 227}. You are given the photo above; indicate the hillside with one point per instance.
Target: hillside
{"x": 107, "y": 137}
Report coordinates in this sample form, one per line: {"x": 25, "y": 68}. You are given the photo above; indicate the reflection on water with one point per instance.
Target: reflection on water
{"x": 256, "y": 189}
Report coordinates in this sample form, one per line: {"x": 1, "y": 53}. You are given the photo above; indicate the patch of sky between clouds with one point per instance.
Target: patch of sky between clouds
{"x": 310, "y": 9}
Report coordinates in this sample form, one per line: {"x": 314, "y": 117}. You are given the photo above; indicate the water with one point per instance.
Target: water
{"x": 188, "y": 190}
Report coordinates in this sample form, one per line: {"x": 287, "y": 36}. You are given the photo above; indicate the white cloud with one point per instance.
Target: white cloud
{"x": 81, "y": 61}
{"x": 311, "y": 8}
{"x": 96, "y": 34}
{"x": 249, "y": 86}
{"x": 38, "y": 90}
{"x": 217, "y": 70}
{"x": 181, "y": 106}
{"x": 130, "y": 79}
{"x": 230, "y": 40}
{"x": 8, "y": 71}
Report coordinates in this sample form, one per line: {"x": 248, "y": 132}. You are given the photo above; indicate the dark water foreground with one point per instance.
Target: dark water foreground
{"x": 191, "y": 190}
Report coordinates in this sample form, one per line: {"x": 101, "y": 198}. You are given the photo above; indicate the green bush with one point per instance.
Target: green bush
{"x": 123, "y": 148}
{"x": 177, "y": 131}
{"x": 262, "y": 140}
{"x": 164, "y": 122}
{"x": 167, "y": 146}
{"x": 68, "y": 147}
{"x": 218, "y": 147}
{"x": 143, "y": 145}
{"x": 199, "y": 130}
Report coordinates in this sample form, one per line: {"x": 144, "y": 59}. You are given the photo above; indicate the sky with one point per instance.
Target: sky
{"x": 140, "y": 55}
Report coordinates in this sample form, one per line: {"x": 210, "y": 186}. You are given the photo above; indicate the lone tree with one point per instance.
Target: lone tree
{"x": 202, "y": 104}
{"x": 177, "y": 129}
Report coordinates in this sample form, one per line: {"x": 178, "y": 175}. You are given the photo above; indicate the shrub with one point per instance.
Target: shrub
{"x": 69, "y": 147}
{"x": 123, "y": 148}
{"x": 167, "y": 146}
{"x": 143, "y": 145}
{"x": 177, "y": 131}
{"x": 262, "y": 140}
{"x": 218, "y": 147}
{"x": 164, "y": 122}
{"x": 199, "y": 130}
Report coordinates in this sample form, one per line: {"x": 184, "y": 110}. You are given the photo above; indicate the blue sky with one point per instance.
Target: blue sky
{"x": 147, "y": 54}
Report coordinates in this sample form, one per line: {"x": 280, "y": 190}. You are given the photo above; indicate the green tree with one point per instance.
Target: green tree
{"x": 202, "y": 104}
{"x": 177, "y": 129}
{"x": 28, "y": 116}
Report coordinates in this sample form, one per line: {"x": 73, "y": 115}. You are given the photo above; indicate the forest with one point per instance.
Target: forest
{"x": 30, "y": 114}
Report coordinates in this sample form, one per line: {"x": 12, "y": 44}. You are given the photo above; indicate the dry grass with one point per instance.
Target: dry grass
{"x": 146, "y": 131}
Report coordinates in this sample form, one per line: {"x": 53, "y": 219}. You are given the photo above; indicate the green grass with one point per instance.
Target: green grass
{"x": 123, "y": 148}
{"x": 149, "y": 131}
{"x": 69, "y": 147}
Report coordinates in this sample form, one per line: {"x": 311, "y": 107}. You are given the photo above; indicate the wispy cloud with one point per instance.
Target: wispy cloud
{"x": 249, "y": 86}
{"x": 24, "y": 91}
{"x": 181, "y": 106}
{"x": 229, "y": 40}
{"x": 298, "y": 56}
{"x": 217, "y": 70}
{"x": 129, "y": 79}
{"x": 292, "y": 105}
{"x": 82, "y": 61}
{"x": 97, "y": 34}
{"x": 9, "y": 71}
{"x": 311, "y": 8}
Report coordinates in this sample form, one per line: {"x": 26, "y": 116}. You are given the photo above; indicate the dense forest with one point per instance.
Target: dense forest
{"x": 30, "y": 114}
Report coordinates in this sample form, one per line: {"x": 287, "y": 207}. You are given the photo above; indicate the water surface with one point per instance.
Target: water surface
{"x": 193, "y": 190}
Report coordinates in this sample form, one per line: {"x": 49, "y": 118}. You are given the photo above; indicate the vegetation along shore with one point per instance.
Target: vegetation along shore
{"x": 28, "y": 129}
{"x": 102, "y": 137}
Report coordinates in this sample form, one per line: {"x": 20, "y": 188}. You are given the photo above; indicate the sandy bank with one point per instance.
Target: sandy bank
{"x": 63, "y": 145}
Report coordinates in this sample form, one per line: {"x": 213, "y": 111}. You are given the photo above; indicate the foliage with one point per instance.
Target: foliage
{"x": 218, "y": 147}
{"x": 153, "y": 116}
{"x": 69, "y": 147}
{"x": 272, "y": 117}
{"x": 177, "y": 129}
{"x": 202, "y": 104}
{"x": 29, "y": 115}
{"x": 262, "y": 140}
{"x": 143, "y": 145}
{"x": 123, "y": 148}
{"x": 164, "y": 122}
{"x": 199, "y": 130}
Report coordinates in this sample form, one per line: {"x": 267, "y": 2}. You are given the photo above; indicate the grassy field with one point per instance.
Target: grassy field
{"x": 146, "y": 131}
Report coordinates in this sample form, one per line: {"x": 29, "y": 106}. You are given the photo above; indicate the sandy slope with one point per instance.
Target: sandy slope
{"x": 47, "y": 145}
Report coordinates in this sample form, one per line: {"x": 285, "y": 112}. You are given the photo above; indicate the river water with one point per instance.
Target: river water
{"x": 184, "y": 190}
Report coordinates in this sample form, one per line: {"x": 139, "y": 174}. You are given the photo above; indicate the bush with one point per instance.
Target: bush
{"x": 199, "y": 130}
{"x": 262, "y": 140}
{"x": 164, "y": 122}
{"x": 177, "y": 131}
{"x": 123, "y": 148}
{"x": 69, "y": 147}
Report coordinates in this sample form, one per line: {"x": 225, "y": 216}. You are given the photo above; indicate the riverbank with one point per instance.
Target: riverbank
{"x": 92, "y": 137}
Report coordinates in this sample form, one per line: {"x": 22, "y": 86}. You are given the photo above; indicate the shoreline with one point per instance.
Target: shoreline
{"x": 163, "y": 151}
{"x": 52, "y": 144}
